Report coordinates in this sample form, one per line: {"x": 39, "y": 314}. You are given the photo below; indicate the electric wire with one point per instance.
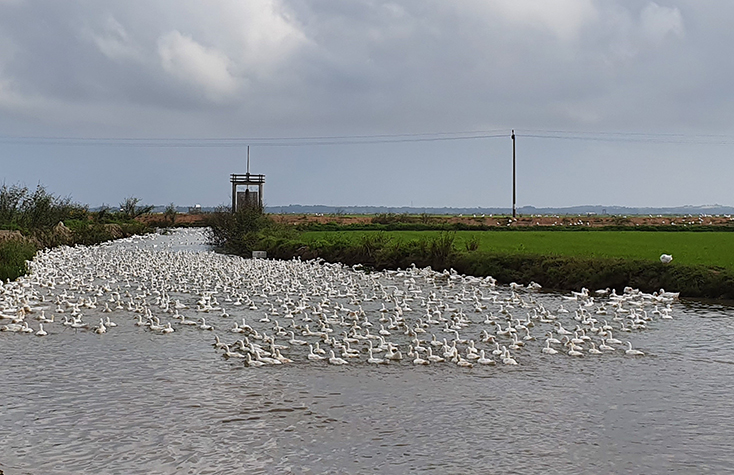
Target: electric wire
{"x": 258, "y": 141}
{"x": 333, "y": 140}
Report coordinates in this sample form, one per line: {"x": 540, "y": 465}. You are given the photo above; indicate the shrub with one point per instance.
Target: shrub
{"x": 370, "y": 244}
{"x": 441, "y": 248}
{"x": 21, "y": 208}
{"x": 13, "y": 256}
{"x": 170, "y": 214}
{"x": 472, "y": 244}
{"x": 244, "y": 231}
{"x": 131, "y": 210}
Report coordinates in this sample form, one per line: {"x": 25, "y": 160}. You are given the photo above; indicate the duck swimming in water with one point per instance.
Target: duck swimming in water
{"x": 318, "y": 292}
{"x": 631, "y": 352}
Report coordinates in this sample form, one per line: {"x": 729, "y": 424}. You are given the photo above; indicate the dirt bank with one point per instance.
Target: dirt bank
{"x": 479, "y": 220}
{"x": 588, "y": 221}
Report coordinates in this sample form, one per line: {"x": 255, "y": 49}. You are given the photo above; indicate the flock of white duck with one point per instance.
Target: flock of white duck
{"x": 269, "y": 312}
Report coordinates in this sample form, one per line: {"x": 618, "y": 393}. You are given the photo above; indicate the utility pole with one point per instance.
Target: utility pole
{"x": 514, "y": 180}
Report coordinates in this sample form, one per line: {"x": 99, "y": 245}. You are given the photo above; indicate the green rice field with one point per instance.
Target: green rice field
{"x": 690, "y": 248}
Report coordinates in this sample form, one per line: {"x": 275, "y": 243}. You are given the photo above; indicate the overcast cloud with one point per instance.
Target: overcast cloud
{"x": 293, "y": 68}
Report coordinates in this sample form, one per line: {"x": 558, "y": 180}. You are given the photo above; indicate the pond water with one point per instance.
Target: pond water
{"x": 132, "y": 400}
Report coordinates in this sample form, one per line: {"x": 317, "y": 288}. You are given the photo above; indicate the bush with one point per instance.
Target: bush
{"x": 170, "y": 214}
{"x": 472, "y": 244}
{"x": 370, "y": 244}
{"x": 48, "y": 221}
{"x": 21, "y": 208}
{"x": 13, "y": 256}
{"x": 442, "y": 248}
{"x": 245, "y": 231}
{"x": 573, "y": 273}
{"x": 130, "y": 208}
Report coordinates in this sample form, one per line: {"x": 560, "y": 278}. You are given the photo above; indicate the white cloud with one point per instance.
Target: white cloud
{"x": 658, "y": 22}
{"x": 114, "y": 42}
{"x": 361, "y": 64}
{"x": 10, "y": 99}
{"x": 258, "y": 36}
{"x": 267, "y": 32}
{"x": 562, "y": 18}
{"x": 206, "y": 68}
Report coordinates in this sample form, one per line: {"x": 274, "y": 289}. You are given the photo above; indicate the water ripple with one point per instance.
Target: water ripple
{"x": 129, "y": 402}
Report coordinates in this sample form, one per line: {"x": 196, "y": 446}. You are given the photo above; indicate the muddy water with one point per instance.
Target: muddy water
{"x": 134, "y": 401}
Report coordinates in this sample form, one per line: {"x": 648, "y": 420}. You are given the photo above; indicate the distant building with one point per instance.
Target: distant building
{"x": 196, "y": 209}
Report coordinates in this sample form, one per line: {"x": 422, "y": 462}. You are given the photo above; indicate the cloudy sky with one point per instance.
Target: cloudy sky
{"x": 368, "y": 102}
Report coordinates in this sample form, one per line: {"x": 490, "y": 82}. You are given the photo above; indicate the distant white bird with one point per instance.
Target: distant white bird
{"x": 336, "y": 360}
{"x": 144, "y": 278}
{"x": 632, "y": 352}
{"x": 666, "y": 258}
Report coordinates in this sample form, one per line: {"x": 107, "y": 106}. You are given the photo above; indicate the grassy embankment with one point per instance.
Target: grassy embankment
{"x": 30, "y": 220}
{"x": 703, "y": 263}
{"x": 688, "y": 248}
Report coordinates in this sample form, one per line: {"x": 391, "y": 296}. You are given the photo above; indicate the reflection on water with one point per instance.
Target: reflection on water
{"x": 132, "y": 401}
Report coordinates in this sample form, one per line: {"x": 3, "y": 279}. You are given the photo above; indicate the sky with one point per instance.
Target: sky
{"x": 367, "y": 102}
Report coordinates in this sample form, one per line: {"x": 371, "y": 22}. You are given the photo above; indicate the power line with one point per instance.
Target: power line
{"x": 330, "y": 140}
{"x": 671, "y": 138}
{"x": 259, "y": 141}
{"x": 628, "y": 133}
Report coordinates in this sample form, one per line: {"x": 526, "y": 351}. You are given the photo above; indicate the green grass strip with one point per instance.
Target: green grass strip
{"x": 688, "y": 248}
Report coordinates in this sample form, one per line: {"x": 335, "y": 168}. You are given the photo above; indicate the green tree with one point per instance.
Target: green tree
{"x": 130, "y": 209}
{"x": 170, "y": 214}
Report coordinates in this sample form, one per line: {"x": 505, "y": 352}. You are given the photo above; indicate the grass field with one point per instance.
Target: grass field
{"x": 690, "y": 248}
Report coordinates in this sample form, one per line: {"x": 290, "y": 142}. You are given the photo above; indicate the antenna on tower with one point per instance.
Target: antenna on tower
{"x": 514, "y": 180}
{"x": 248, "y": 159}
